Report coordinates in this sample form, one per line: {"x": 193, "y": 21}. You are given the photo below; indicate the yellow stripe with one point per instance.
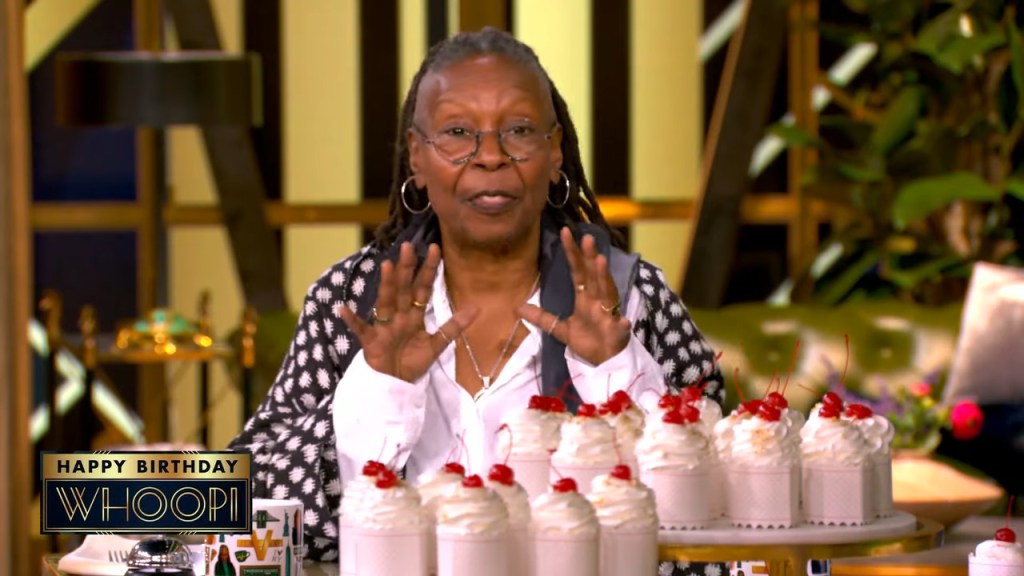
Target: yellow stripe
{"x": 412, "y": 40}
{"x": 322, "y": 126}
{"x": 666, "y": 122}
{"x": 560, "y": 33}
{"x": 47, "y": 22}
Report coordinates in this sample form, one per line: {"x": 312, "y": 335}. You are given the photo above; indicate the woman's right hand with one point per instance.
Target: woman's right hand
{"x": 397, "y": 342}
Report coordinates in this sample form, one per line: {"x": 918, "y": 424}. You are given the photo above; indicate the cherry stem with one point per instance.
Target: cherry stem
{"x": 768, "y": 390}
{"x": 608, "y": 388}
{"x": 633, "y": 383}
{"x": 1009, "y": 510}
{"x": 846, "y": 364}
{"x": 701, "y": 383}
{"x": 510, "y": 441}
{"x": 808, "y": 388}
{"x": 792, "y": 366}
{"x": 383, "y": 445}
{"x": 394, "y": 459}
{"x": 462, "y": 442}
{"x": 557, "y": 471}
{"x": 736, "y": 385}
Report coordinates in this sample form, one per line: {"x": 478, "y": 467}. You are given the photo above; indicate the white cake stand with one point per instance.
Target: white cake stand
{"x": 786, "y": 551}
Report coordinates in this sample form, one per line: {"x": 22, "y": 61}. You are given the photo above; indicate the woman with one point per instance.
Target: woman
{"x": 495, "y": 278}
{"x": 223, "y": 566}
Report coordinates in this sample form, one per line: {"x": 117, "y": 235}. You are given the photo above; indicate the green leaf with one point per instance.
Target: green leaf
{"x": 859, "y": 173}
{"x": 920, "y": 198}
{"x": 910, "y": 277}
{"x": 1015, "y": 186}
{"x": 834, "y": 291}
{"x": 898, "y": 120}
{"x": 794, "y": 135}
{"x": 1017, "y": 61}
{"x": 942, "y": 40}
{"x": 939, "y": 31}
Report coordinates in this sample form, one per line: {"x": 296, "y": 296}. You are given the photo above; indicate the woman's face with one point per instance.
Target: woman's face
{"x": 489, "y": 200}
{"x": 224, "y": 555}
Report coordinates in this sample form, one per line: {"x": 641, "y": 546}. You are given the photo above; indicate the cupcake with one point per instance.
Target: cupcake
{"x": 835, "y": 480}
{"x": 472, "y": 531}
{"x": 587, "y": 448}
{"x": 1002, "y": 556}
{"x": 629, "y": 523}
{"x": 391, "y": 529}
{"x": 762, "y": 471}
{"x": 564, "y": 533}
{"x": 878, "y": 432}
{"x": 502, "y": 480}
{"x": 676, "y": 461}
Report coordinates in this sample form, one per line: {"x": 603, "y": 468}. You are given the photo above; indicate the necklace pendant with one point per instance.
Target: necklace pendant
{"x": 486, "y": 381}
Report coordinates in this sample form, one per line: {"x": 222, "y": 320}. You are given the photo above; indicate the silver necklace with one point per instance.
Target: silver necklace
{"x": 504, "y": 350}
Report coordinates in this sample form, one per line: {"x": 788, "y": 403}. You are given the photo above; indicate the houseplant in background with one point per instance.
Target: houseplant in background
{"x": 918, "y": 154}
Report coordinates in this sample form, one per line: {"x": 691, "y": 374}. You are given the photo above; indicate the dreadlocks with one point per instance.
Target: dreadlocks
{"x": 581, "y": 205}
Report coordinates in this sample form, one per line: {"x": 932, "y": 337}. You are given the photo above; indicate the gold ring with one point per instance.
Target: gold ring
{"x": 553, "y": 324}
{"x": 418, "y": 304}
{"x": 581, "y": 287}
{"x": 380, "y": 319}
{"x": 614, "y": 310}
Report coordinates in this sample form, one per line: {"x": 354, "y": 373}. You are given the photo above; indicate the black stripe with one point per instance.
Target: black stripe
{"x": 378, "y": 86}
{"x": 437, "y": 21}
{"x": 262, "y": 29}
{"x": 610, "y": 82}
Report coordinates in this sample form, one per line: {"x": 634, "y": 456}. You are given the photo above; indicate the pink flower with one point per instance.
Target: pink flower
{"x": 920, "y": 389}
{"x": 967, "y": 420}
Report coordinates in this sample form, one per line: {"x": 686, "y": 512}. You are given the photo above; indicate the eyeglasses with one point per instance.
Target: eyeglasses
{"x": 459, "y": 145}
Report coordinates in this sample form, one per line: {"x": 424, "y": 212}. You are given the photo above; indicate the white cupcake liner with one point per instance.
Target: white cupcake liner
{"x": 837, "y": 495}
{"x": 982, "y": 568}
{"x": 763, "y": 497}
{"x": 564, "y": 555}
{"x": 465, "y": 555}
{"x": 628, "y": 552}
{"x": 532, "y": 472}
{"x": 395, "y": 552}
{"x": 681, "y": 497}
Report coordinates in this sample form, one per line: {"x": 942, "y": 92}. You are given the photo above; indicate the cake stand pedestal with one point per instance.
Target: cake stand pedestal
{"x": 786, "y": 551}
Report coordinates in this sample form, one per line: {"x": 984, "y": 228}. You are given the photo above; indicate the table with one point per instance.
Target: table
{"x": 785, "y": 556}
{"x": 784, "y": 560}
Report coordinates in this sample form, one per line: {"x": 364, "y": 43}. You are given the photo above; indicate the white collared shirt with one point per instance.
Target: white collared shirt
{"x": 424, "y": 424}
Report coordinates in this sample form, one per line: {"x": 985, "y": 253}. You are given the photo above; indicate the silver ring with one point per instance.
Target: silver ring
{"x": 379, "y": 319}
{"x": 553, "y": 324}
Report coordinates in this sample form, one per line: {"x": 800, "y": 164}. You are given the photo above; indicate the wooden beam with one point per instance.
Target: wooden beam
{"x": 15, "y": 291}
{"x": 236, "y": 173}
{"x": 740, "y": 113}
{"x": 777, "y": 208}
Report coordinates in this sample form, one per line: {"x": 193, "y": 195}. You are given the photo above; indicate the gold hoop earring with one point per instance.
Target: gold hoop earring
{"x": 401, "y": 192}
{"x": 568, "y": 192}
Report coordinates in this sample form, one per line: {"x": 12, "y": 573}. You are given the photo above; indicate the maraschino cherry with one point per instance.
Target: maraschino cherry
{"x": 859, "y": 412}
{"x": 473, "y": 481}
{"x": 777, "y": 400}
{"x": 832, "y": 399}
{"x": 689, "y": 413}
{"x": 670, "y": 402}
{"x": 673, "y": 417}
{"x": 386, "y": 479}
{"x": 564, "y": 485}
{"x": 1006, "y": 534}
{"x": 750, "y": 406}
{"x": 769, "y": 412}
{"x": 454, "y": 468}
{"x": 537, "y": 403}
{"x": 502, "y": 474}
{"x": 691, "y": 394}
{"x": 622, "y": 472}
{"x": 587, "y": 411}
{"x": 372, "y": 468}
{"x": 828, "y": 411}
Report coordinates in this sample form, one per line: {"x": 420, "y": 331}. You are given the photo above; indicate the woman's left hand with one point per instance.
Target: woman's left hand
{"x": 596, "y": 331}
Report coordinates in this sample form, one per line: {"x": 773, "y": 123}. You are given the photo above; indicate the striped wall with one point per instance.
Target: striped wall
{"x": 629, "y": 71}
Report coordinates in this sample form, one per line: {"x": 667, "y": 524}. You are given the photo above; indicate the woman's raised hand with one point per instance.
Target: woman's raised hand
{"x": 596, "y": 331}
{"x": 397, "y": 343}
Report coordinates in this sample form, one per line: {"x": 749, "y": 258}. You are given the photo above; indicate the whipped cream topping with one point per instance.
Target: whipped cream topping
{"x": 761, "y": 443}
{"x": 666, "y": 446}
{"x": 710, "y": 413}
{"x": 472, "y": 512}
{"x": 391, "y": 508}
{"x": 878, "y": 432}
{"x": 586, "y": 441}
{"x": 722, "y": 435}
{"x": 628, "y": 426}
{"x": 517, "y": 502}
{"x": 996, "y": 552}
{"x": 623, "y": 504}
{"x": 561, "y": 513}
{"x": 833, "y": 440}
{"x": 353, "y": 499}
{"x": 435, "y": 485}
{"x": 533, "y": 432}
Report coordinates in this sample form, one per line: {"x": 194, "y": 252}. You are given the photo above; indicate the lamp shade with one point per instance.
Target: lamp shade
{"x": 158, "y": 89}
